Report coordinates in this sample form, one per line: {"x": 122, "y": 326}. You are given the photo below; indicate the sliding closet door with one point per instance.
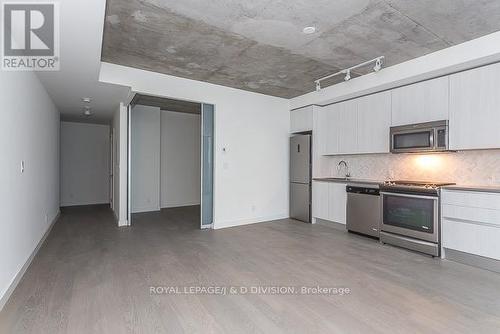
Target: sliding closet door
{"x": 207, "y": 165}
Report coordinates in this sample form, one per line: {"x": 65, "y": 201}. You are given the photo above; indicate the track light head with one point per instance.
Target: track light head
{"x": 318, "y": 86}
{"x": 378, "y": 65}
{"x": 347, "y": 75}
{"x": 87, "y": 111}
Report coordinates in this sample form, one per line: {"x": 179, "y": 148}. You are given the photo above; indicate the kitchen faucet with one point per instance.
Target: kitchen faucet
{"x": 339, "y": 167}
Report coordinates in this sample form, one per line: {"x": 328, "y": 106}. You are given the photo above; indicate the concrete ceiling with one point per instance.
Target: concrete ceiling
{"x": 259, "y": 46}
{"x": 81, "y": 32}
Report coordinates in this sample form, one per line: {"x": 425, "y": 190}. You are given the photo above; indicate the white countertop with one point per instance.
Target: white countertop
{"x": 487, "y": 189}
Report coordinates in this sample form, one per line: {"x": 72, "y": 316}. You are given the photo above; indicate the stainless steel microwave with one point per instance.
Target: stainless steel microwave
{"x": 422, "y": 137}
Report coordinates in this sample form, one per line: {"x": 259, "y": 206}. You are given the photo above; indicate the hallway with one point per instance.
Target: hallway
{"x": 93, "y": 277}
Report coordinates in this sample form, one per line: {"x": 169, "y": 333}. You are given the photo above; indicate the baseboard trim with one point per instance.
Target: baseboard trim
{"x": 146, "y": 209}
{"x": 220, "y": 225}
{"x": 179, "y": 205}
{"x": 472, "y": 260}
{"x": 123, "y": 223}
{"x": 69, "y": 205}
{"x": 13, "y": 285}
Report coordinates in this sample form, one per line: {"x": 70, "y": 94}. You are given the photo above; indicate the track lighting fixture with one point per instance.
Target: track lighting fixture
{"x": 377, "y": 67}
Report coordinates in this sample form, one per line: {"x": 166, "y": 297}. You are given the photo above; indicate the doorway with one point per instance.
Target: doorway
{"x": 170, "y": 159}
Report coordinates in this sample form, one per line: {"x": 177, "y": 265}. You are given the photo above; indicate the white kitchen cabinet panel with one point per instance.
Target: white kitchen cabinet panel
{"x": 347, "y": 127}
{"x": 471, "y": 238}
{"x": 341, "y": 128}
{"x": 425, "y": 101}
{"x": 329, "y": 201}
{"x": 320, "y": 200}
{"x": 470, "y": 199}
{"x": 320, "y": 131}
{"x": 356, "y": 126}
{"x": 471, "y": 222}
{"x": 338, "y": 202}
{"x": 301, "y": 120}
{"x": 374, "y": 121}
{"x": 473, "y": 214}
{"x": 330, "y": 129}
{"x": 475, "y": 109}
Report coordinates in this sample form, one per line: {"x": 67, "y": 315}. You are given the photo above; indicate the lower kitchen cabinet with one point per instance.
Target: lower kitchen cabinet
{"x": 471, "y": 223}
{"x": 329, "y": 200}
{"x": 320, "y": 200}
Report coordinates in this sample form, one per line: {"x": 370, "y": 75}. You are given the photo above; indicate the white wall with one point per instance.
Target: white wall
{"x": 29, "y": 132}
{"x": 120, "y": 176}
{"x": 478, "y": 52}
{"x": 180, "y": 159}
{"x": 85, "y": 159}
{"x": 251, "y": 177}
{"x": 145, "y": 160}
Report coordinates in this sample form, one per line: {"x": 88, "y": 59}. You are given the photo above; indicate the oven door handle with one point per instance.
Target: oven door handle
{"x": 434, "y": 198}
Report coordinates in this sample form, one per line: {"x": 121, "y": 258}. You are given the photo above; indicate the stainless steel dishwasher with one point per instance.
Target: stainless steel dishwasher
{"x": 363, "y": 210}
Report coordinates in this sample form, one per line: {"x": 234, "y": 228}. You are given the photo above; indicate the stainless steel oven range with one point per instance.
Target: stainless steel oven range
{"x": 410, "y": 215}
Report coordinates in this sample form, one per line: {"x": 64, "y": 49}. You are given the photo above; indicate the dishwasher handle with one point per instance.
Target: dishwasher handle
{"x": 363, "y": 190}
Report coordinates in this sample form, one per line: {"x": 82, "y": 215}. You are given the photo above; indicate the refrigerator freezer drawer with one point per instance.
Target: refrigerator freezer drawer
{"x": 300, "y": 202}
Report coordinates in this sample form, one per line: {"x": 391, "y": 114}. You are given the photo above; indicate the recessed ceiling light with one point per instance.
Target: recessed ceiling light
{"x": 309, "y": 30}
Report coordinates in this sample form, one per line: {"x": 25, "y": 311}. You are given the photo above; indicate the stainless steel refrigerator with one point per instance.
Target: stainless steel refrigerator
{"x": 300, "y": 178}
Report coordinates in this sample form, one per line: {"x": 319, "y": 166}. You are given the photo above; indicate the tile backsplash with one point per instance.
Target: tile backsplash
{"x": 465, "y": 168}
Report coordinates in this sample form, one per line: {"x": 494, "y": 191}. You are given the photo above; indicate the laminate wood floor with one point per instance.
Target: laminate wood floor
{"x": 93, "y": 277}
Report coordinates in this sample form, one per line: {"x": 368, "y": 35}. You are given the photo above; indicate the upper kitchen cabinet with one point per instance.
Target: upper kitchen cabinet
{"x": 422, "y": 102}
{"x": 475, "y": 109}
{"x": 326, "y": 129}
{"x": 374, "y": 121}
{"x": 320, "y": 130}
{"x": 338, "y": 128}
{"x": 347, "y": 127}
{"x": 301, "y": 120}
{"x": 355, "y": 126}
